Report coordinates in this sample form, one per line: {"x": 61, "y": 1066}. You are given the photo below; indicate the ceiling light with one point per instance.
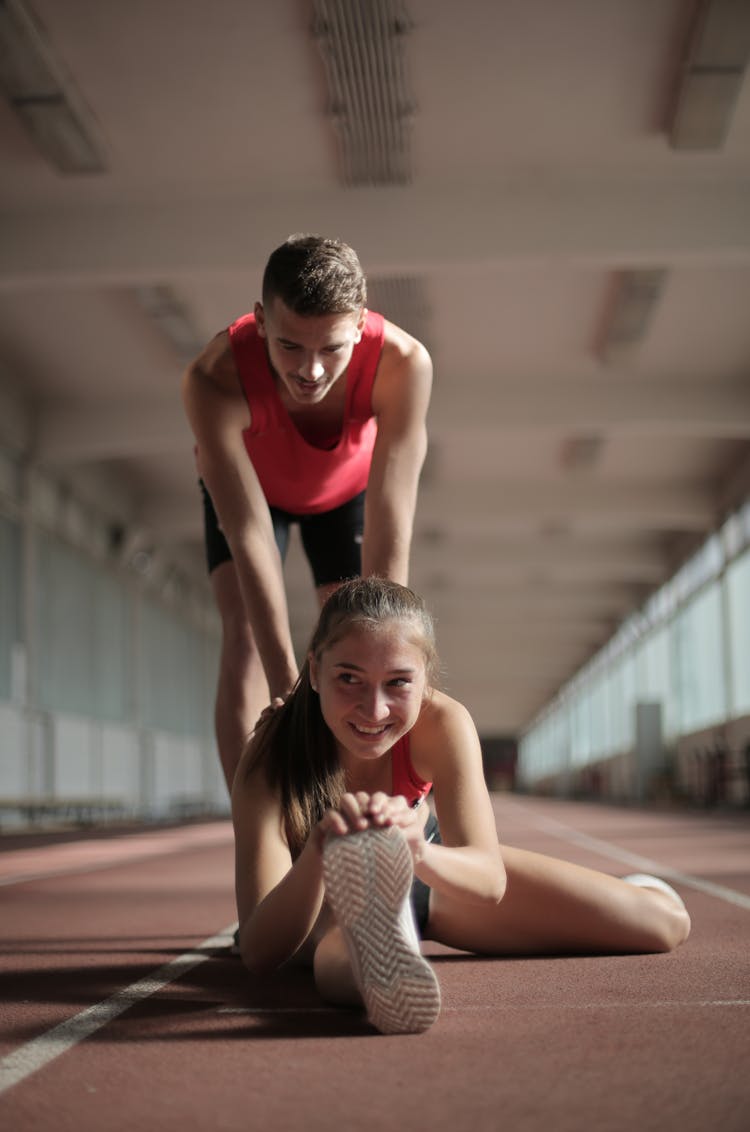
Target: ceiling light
{"x": 581, "y": 453}
{"x": 167, "y": 311}
{"x": 43, "y": 95}
{"x": 635, "y": 295}
{"x": 712, "y": 76}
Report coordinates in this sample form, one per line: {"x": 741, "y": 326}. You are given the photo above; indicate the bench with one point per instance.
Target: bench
{"x": 86, "y": 810}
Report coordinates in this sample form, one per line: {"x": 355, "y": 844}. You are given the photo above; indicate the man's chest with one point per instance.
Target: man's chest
{"x": 321, "y": 425}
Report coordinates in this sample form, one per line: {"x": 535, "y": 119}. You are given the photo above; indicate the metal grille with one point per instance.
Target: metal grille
{"x": 403, "y": 300}
{"x": 363, "y": 46}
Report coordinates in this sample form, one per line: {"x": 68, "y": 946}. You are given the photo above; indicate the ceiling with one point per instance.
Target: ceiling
{"x": 554, "y": 196}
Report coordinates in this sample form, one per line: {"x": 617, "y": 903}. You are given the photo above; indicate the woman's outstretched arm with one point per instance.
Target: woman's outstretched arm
{"x": 445, "y": 749}
{"x": 278, "y": 901}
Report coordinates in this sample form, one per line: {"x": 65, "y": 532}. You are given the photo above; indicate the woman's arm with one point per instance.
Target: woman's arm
{"x": 278, "y": 901}
{"x": 445, "y": 749}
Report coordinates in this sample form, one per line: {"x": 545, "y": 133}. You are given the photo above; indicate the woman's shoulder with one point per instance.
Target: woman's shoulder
{"x": 251, "y": 787}
{"x": 444, "y": 727}
{"x": 440, "y": 711}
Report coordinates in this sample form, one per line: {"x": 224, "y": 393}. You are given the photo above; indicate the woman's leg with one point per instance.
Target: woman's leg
{"x": 555, "y": 907}
{"x": 333, "y": 972}
{"x": 373, "y": 956}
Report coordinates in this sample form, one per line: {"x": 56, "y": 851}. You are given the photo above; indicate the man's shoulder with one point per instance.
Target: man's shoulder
{"x": 217, "y": 357}
{"x": 244, "y": 326}
{"x": 402, "y": 348}
{"x": 405, "y": 369}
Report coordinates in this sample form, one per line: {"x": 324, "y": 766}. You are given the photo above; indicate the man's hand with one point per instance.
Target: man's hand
{"x": 268, "y": 712}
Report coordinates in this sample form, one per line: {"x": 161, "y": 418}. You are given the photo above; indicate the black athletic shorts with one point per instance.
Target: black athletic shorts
{"x": 420, "y": 892}
{"x": 332, "y": 540}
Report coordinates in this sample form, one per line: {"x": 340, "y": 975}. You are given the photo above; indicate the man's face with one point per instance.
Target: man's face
{"x": 308, "y": 354}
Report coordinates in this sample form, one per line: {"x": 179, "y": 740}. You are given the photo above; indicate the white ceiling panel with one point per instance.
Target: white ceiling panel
{"x": 566, "y": 477}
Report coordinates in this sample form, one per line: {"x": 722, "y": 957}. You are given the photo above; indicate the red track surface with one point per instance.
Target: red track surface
{"x": 190, "y": 1041}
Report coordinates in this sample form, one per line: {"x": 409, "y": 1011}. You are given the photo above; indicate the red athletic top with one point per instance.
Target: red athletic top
{"x": 405, "y": 779}
{"x": 295, "y": 475}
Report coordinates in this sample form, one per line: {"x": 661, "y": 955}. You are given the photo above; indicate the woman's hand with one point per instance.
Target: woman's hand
{"x": 361, "y": 811}
{"x": 385, "y": 810}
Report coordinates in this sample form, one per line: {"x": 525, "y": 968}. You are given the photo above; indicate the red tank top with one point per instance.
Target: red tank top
{"x": 297, "y": 476}
{"x": 405, "y": 779}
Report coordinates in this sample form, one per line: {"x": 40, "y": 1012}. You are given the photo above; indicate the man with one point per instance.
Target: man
{"x": 311, "y": 410}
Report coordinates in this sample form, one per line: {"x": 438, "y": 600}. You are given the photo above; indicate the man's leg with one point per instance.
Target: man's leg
{"x": 242, "y": 691}
{"x": 333, "y": 545}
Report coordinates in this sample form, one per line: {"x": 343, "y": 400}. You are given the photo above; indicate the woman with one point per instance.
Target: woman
{"x": 339, "y": 861}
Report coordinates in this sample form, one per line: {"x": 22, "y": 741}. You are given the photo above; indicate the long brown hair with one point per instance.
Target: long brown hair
{"x": 294, "y": 745}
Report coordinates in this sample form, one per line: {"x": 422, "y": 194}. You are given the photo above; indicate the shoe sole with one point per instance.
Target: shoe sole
{"x": 368, "y": 880}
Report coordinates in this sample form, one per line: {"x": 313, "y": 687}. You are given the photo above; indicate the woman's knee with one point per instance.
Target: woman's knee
{"x": 664, "y": 922}
{"x": 672, "y": 929}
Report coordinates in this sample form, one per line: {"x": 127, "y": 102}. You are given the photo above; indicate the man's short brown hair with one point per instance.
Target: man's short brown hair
{"x": 315, "y": 275}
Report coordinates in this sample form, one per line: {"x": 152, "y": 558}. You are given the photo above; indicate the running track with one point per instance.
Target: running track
{"x": 121, "y": 1008}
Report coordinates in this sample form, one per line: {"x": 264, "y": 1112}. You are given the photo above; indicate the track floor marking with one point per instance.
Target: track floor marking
{"x": 641, "y": 864}
{"x": 557, "y": 1007}
{"x": 264, "y": 1010}
{"x": 37, "y": 1053}
{"x": 40, "y": 1051}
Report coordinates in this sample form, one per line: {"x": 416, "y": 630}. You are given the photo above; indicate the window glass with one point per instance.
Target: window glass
{"x": 11, "y": 603}
{"x": 699, "y": 662}
{"x": 738, "y": 594}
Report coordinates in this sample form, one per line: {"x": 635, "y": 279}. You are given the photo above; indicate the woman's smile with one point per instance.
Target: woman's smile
{"x": 371, "y": 685}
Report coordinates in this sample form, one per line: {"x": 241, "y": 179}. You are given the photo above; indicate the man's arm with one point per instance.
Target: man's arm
{"x": 218, "y": 413}
{"x": 400, "y": 400}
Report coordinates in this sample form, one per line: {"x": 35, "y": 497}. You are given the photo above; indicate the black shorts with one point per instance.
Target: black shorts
{"x": 420, "y": 892}
{"x": 332, "y": 540}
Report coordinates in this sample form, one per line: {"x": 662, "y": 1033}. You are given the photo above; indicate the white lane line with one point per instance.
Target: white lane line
{"x": 37, "y": 1053}
{"x": 641, "y": 864}
{"x": 263, "y": 1010}
{"x": 493, "y": 1008}
{"x": 558, "y": 1007}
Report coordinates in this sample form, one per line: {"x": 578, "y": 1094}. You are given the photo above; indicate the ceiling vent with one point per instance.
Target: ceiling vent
{"x": 403, "y": 300}
{"x": 363, "y": 45}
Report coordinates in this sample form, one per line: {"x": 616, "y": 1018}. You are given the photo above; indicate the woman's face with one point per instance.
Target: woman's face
{"x": 371, "y": 685}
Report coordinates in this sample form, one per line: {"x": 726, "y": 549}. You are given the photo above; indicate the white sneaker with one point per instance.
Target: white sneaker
{"x": 645, "y": 880}
{"x": 368, "y": 880}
